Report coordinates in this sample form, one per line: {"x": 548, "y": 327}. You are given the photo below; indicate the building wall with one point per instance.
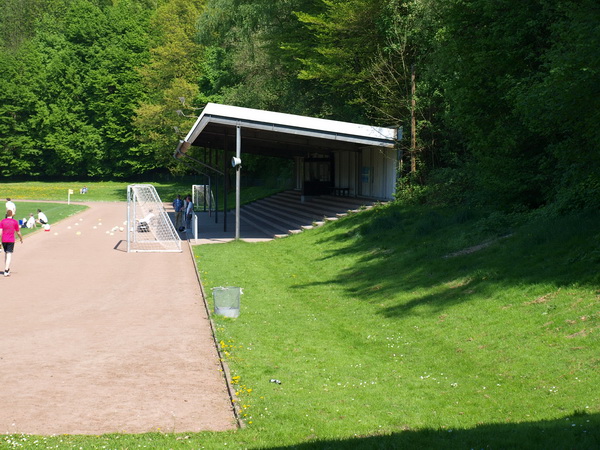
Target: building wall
{"x": 345, "y": 171}
{"x": 370, "y": 172}
{"x": 377, "y": 173}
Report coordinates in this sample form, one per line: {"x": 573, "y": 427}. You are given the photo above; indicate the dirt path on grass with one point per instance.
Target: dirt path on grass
{"x": 96, "y": 340}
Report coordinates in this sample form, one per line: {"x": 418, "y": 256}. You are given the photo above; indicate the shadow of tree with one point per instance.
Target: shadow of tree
{"x": 417, "y": 254}
{"x": 581, "y": 431}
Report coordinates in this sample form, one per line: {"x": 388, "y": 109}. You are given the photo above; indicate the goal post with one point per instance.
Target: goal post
{"x": 203, "y": 198}
{"x": 149, "y": 228}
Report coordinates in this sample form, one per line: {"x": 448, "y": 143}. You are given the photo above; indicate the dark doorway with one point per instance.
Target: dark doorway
{"x": 318, "y": 175}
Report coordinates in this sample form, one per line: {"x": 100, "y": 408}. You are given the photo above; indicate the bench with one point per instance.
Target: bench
{"x": 341, "y": 191}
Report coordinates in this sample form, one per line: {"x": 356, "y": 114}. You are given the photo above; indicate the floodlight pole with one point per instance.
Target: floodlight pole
{"x": 238, "y": 154}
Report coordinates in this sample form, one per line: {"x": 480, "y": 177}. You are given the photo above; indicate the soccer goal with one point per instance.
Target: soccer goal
{"x": 203, "y": 198}
{"x": 149, "y": 228}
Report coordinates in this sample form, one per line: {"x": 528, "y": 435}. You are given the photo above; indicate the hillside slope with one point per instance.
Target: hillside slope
{"x": 401, "y": 322}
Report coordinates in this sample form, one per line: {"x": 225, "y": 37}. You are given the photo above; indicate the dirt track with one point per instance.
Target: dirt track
{"x": 96, "y": 340}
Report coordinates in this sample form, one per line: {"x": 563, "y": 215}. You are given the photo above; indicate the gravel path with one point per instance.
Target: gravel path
{"x": 96, "y": 340}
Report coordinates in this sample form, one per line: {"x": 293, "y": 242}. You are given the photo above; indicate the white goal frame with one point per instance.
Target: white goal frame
{"x": 200, "y": 199}
{"x": 149, "y": 228}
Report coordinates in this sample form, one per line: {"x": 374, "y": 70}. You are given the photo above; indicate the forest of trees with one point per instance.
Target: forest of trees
{"x": 507, "y": 92}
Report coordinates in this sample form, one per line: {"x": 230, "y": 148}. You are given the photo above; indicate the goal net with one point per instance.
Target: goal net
{"x": 149, "y": 228}
{"x": 203, "y": 198}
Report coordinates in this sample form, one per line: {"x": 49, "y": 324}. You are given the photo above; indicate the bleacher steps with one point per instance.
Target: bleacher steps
{"x": 285, "y": 213}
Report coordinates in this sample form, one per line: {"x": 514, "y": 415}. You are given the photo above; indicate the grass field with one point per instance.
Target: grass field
{"x": 54, "y": 211}
{"x": 406, "y": 328}
{"x": 417, "y": 328}
{"x": 58, "y": 191}
{"x": 113, "y": 191}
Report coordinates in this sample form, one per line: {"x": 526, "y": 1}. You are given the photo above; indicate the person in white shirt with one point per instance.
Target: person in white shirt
{"x": 11, "y": 206}
{"x": 189, "y": 211}
{"x": 30, "y": 222}
{"x": 42, "y": 219}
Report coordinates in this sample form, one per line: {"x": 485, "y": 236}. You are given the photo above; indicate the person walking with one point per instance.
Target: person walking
{"x": 10, "y": 205}
{"x": 178, "y": 207}
{"x": 8, "y": 228}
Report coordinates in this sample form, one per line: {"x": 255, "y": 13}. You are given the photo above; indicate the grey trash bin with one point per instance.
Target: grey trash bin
{"x": 227, "y": 301}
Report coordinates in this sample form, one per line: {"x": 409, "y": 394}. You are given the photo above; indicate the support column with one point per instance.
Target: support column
{"x": 238, "y": 168}
{"x": 225, "y": 185}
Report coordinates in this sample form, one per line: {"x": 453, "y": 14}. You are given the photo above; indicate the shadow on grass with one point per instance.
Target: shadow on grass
{"x": 415, "y": 252}
{"x": 581, "y": 431}
{"x": 120, "y": 195}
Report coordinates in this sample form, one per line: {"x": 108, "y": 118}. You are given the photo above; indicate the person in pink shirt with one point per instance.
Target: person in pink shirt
{"x": 8, "y": 228}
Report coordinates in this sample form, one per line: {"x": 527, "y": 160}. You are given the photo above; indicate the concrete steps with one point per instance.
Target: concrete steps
{"x": 285, "y": 213}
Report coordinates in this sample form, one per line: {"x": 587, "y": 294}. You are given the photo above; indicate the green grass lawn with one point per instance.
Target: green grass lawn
{"x": 383, "y": 333}
{"x": 406, "y": 328}
{"x": 58, "y": 191}
{"x": 54, "y": 211}
{"x": 116, "y": 191}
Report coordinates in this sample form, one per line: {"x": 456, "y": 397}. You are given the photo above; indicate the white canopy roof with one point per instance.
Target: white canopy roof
{"x": 281, "y": 134}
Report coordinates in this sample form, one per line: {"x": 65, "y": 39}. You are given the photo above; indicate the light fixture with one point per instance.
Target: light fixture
{"x": 182, "y": 114}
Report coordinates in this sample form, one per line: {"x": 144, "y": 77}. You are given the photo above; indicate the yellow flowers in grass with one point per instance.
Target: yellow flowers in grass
{"x": 241, "y": 391}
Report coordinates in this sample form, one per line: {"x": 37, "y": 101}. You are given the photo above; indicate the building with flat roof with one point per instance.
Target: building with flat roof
{"x": 331, "y": 157}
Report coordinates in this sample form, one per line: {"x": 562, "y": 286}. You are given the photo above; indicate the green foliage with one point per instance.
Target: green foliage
{"x": 76, "y": 92}
{"x": 485, "y": 51}
{"x": 248, "y": 62}
{"x": 506, "y": 101}
{"x": 511, "y": 74}
{"x": 171, "y": 74}
{"x": 18, "y": 154}
{"x": 561, "y": 103}
{"x": 409, "y": 191}
{"x": 340, "y": 32}
{"x": 18, "y": 19}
